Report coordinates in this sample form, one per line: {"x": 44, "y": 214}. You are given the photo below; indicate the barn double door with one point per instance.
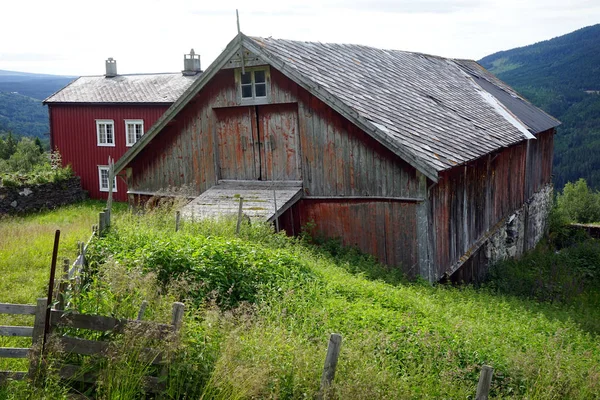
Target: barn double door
{"x": 258, "y": 143}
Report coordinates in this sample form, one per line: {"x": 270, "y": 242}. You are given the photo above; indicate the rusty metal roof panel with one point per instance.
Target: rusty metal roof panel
{"x": 428, "y": 105}
{"x": 134, "y": 88}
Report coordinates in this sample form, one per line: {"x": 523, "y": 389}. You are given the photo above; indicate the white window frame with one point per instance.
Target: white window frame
{"x": 106, "y": 122}
{"x": 254, "y": 99}
{"x": 134, "y": 122}
{"x": 102, "y": 168}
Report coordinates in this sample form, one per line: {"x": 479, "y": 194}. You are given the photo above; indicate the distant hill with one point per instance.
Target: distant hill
{"x": 37, "y": 86}
{"x": 21, "y": 95}
{"x": 562, "y": 76}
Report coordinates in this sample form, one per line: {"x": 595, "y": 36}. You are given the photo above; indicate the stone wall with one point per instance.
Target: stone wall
{"x": 519, "y": 232}
{"x": 522, "y": 230}
{"x": 28, "y": 198}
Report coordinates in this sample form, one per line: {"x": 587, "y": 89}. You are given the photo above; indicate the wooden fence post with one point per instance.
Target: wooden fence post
{"x": 485, "y": 381}
{"x": 37, "y": 337}
{"x": 239, "y": 219}
{"x": 142, "y": 310}
{"x": 177, "y": 318}
{"x": 101, "y": 223}
{"x": 331, "y": 360}
{"x": 63, "y": 285}
{"x": 177, "y": 220}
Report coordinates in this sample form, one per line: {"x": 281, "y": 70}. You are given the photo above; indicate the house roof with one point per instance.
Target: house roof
{"x": 132, "y": 88}
{"x": 433, "y": 112}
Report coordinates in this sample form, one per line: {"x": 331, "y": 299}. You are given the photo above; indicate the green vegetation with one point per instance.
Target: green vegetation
{"x": 23, "y": 161}
{"x": 23, "y": 115}
{"x": 260, "y": 307}
{"x": 578, "y": 203}
{"x": 555, "y": 75}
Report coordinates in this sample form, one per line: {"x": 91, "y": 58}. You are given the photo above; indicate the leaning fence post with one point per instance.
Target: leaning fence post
{"x": 37, "y": 336}
{"x": 239, "y": 219}
{"x": 485, "y": 381}
{"x": 331, "y": 360}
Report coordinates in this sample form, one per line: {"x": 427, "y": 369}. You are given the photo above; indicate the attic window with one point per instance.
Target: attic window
{"x": 253, "y": 84}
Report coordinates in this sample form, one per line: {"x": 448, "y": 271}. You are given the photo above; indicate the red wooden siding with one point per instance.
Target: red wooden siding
{"x": 385, "y": 229}
{"x": 470, "y": 200}
{"x": 74, "y": 135}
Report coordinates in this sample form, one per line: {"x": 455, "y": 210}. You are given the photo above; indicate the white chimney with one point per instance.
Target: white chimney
{"x": 111, "y": 68}
{"x": 191, "y": 63}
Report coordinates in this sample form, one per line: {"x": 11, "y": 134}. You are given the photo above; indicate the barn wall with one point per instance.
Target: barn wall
{"x": 336, "y": 158}
{"x": 73, "y": 129}
{"x": 472, "y": 202}
{"x": 385, "y": 229}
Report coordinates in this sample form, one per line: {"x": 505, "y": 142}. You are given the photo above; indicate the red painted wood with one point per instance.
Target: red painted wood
{"x": 73, "y": 134}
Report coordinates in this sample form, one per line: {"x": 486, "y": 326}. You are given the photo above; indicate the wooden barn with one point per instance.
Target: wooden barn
{"x": 433, "y": 165}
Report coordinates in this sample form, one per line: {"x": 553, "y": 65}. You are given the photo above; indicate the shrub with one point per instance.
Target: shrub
{"x": 578, "y": 203}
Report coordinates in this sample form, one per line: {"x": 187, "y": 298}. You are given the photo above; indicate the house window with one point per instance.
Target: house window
{"x": 134, "y": 129}
{"x": 105, "y": 131}
{"x": 103, "y": 177}
{"x": 253, "y": 84}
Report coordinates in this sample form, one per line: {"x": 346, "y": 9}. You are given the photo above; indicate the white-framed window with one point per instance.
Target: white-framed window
{"x": 105, "y": 132}
{"x": 134, "y": 129}
{"x": 253, "y": 84}
{"x": 103, "y": 178}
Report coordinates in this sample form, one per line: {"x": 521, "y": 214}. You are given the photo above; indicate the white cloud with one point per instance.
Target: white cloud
{"x": 75, "y": 37}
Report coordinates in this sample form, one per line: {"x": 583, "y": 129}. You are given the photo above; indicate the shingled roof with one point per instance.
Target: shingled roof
{"x": 439, "y": 109}
{"x": 433, "y": 112}
{"x": 132, "y": 88}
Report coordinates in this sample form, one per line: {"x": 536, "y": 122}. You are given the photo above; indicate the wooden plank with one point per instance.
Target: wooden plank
{"x": 74, "y": 373}
{"x": 14, "y": 352}
{"x": 21, "y": 331}
{"x": 17, "y": 309}
{"x": 11, "y": 375}
{"x": 82, "y": 321}
{"x": 82, "y": 346}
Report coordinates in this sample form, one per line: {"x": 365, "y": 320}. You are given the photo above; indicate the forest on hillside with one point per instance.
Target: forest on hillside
{"x": 562, "y": 76}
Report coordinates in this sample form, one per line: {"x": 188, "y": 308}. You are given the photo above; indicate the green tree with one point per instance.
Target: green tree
{"x": 38, "y": 143}
{"x": 26, "y": 157}
{"x": 8, "y": 146}
{"x": 579, "y": 203}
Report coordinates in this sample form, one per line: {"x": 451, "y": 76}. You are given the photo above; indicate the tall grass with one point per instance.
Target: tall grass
{"x": 268, "y": 340}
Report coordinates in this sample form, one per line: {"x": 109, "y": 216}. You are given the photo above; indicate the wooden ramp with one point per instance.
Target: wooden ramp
{"x": 258, "y": 204}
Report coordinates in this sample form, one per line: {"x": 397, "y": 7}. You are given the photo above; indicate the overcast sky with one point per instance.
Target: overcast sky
{"x": 74, "y": 37}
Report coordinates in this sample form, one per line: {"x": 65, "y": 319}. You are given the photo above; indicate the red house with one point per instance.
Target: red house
{"x": 97, "y": 117}
{"x": 432, "y": 165}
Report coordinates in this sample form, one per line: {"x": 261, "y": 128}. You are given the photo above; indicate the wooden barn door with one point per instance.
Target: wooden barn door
{"x": 263, "y": 150}
{"x": 278, "y": 133}
{"x": 237, "y": 143}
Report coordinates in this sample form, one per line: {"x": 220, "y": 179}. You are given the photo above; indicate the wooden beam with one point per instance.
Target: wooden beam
{"x": 22, "y": 331}
{"x": 17, "y": 309}
{"x": 13, "y": 352}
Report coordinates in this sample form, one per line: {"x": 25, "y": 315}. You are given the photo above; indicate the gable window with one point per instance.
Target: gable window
{"x": 105, "y": 132}
{"x": 253, "y": 84}
{"x": 134, "y": 129}
{"x": 103, "y": 177}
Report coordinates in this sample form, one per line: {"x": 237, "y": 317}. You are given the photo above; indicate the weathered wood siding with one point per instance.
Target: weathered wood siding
{"x": 385, "y": 229}
{"x": 471, "y": 199}
{"x": 339, "y": 159}
{"x": 206, "y": 140}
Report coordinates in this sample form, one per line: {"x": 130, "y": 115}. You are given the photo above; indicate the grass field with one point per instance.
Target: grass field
{"x": 260, "y": 308}
{"x": 26, "y": 252}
